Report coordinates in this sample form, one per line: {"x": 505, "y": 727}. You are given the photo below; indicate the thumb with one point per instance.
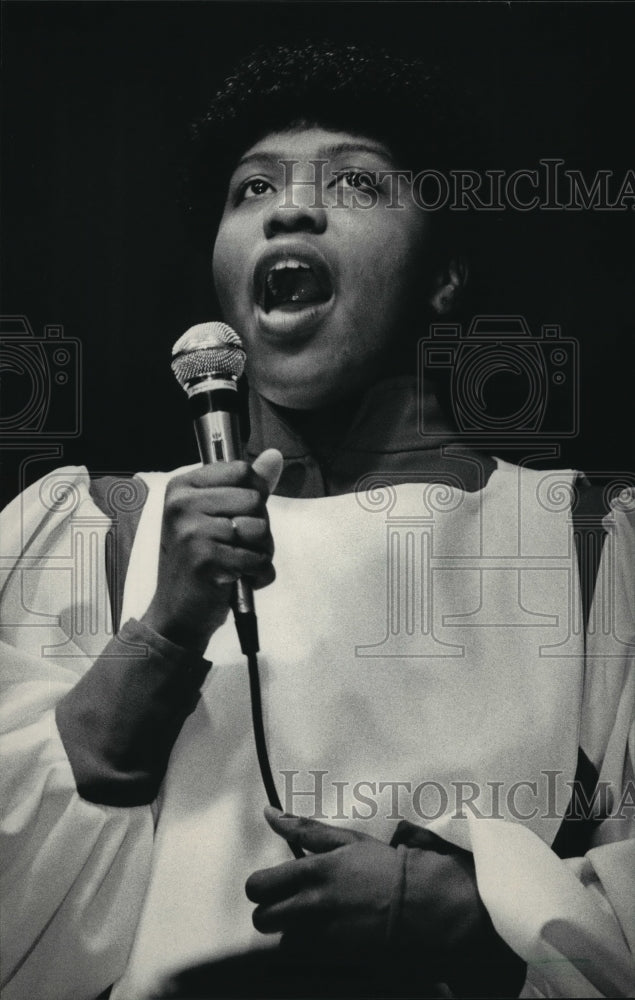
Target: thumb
{"x": 269, "y": 466}
{"x": 309, "y": 833}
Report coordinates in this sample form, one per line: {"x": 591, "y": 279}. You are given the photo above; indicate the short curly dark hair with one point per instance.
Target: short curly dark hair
{"x": 409, "y": 106}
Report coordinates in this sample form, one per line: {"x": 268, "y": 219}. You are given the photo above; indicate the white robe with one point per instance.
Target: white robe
{"x": 414, "y": 634}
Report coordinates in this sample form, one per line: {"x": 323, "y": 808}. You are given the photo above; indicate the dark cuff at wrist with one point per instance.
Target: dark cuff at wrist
{"x": 121, "y": 720}
{"x": 443, "y": 921}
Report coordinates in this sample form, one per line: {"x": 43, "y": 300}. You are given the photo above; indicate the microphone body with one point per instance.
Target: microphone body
{"x": 216, "y": 425}
{"x": 217, "y": 429}
{"x": 208, "y": 360}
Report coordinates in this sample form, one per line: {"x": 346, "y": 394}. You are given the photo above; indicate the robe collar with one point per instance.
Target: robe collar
{"x": 397, "y": 432}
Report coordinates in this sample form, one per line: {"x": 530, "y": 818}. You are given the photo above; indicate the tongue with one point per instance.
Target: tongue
{"x": 292, "y": 289}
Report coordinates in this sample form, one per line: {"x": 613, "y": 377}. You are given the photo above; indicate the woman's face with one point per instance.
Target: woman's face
{"x": 319, "y": 277}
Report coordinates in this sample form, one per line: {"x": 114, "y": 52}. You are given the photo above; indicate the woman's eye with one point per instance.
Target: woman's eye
{"x": 357, "y": 179}
{"x": 253, "y": 188}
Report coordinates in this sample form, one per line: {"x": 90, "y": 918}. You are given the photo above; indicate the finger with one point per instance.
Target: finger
{"x": 233, "y": 561}
{"x": 263, "y": 578}
{"x": 270, "y": 885}
{"x": 243, "y": 532}
{"x": 418, "y": 836}
{"x": 268, "y": 466}
{"x": 217, "y": 501}
{"x": 218, "y": 474}
{"x": 309, "y": 833}
{"x": 229, "y": 501}
{"x": 306, "y": 908}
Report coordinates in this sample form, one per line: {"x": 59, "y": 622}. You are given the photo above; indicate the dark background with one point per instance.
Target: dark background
{"x": 97, "y": 101}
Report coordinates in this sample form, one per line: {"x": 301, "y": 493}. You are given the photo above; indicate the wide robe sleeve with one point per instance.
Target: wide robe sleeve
{"x": 74, "y": 873}
{"x": 573, "y": 920}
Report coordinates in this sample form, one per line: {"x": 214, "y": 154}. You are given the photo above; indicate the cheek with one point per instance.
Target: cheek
{"x": 227, "y": 265}
{"x": 220, "y": 267}
{"x": 392, "y": 260}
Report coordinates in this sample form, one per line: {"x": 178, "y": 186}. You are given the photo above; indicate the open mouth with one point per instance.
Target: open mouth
{"x": 290, "y": 285}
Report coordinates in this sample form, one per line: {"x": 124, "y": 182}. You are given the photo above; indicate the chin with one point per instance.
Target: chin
{"x": 300, "y": 384}
{"x": 285, "y": 383}
{"x": 295, "y": 399}
{"x": 306, "y": 398}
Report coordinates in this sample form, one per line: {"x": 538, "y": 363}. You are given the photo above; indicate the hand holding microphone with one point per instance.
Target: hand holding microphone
{"x": 216, "y": 546}
{"x": 215, "y": 531}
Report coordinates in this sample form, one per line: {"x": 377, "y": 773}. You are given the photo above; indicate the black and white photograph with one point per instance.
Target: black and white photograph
{"x": 317, "y": 539}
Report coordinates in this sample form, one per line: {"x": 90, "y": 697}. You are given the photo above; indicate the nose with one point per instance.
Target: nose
{"x": 284, "y": 218}
{"x": 298, "y": 207}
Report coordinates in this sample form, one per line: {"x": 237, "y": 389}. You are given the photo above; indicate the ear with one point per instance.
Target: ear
{"x": 449, "y": 285}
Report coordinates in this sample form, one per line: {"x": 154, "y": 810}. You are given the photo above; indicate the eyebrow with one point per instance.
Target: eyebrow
{"x": 325, "y": 152}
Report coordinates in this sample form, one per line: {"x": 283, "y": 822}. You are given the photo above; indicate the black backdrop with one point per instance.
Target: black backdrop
{"x": 97, "y": 100}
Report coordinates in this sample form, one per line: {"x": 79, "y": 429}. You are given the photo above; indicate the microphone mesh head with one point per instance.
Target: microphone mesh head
{"x": 207, "y": 349}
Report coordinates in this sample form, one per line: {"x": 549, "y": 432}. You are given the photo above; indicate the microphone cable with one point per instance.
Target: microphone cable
{"x": 261, "y": 741}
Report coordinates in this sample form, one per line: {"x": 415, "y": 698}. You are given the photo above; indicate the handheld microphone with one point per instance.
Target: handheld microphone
{"x": 207, "y": 361}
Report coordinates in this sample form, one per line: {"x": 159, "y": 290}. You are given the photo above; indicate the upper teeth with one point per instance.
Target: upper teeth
{"x": 280, "y": 265}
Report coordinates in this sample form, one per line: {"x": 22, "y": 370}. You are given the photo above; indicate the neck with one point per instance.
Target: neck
{"x": 323, "y": 429}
